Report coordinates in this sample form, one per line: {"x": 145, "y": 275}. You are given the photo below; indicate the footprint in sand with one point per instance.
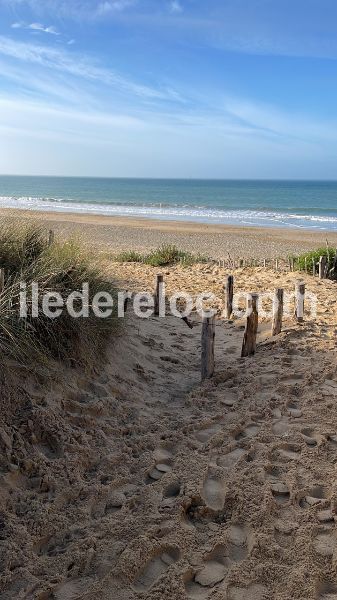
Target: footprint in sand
{"x": 280, "y": 492}
{"x": 163, "y": 458}
{"x": 327, "y": 591}
{"x": 229, "y": 460}
{"x": 284, "y": 531}
{"x": 217, "y": 564}
{"x": 170, "y": 494}
{"x": 293, "y": 409}
{"x": 293, "y": 379}
{"x": 332, "y": 439}
{"x": 281, "y": 426}
{"x": 58, "y": 544}
{"x": 288, "y": 452}
{"x": 253, "y": 592}
{"x": 316, "y": 495}
{"x": 155, "y": 568}
{"x": 203, "y": 435}
{"x": 249, "y": 432}
{"x": 309, "y": 436}
{"x": 72, "y": 589}
{"x": 325, "y": 543}
{"x": 213, "y": 491}
{"x": 157, "y": 472}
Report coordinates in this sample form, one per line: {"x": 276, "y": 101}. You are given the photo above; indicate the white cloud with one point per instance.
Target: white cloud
{"x": 176, "y": 7}
{"x": 39, "y": 27}
{"x": 74, "y": 9}
{"x": 36, "y": 27}
{"x": 79, "y": 66}
{"x": 107, "y": 7}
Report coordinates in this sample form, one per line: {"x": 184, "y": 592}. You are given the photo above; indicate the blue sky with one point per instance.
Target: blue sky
{"x": 169, "y": 88}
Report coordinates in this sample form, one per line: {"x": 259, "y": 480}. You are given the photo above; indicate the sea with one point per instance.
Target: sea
{"x": 265, "y": 203}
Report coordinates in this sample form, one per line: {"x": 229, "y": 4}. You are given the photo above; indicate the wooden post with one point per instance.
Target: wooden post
{"x": 2, "y": 280}
{"x": 305, "y": 264}
{"x": 158, "y": 295}
{"x": 51, "y": 237}
{"x": 322, "y": 267}
{"x": 276, "y": 326}
{"x": 249, "y": 338}
{"x": 207, "y": 347}
{"x": 276, "y": 265}
{"x": 299, "y": 300}
{"x": 264, "y": 263}
{"x": 229, "y": 296}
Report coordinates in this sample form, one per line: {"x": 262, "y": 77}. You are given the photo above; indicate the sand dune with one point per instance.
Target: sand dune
{"x": 141, "y": 482}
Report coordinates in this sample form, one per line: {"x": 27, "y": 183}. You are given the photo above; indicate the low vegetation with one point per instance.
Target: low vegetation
{"x": 307, "y": 259}
{"x": 63, "y": 267}
{"x": 165, "y": 255}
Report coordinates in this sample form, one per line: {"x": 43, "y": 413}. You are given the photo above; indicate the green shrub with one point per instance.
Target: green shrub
{"x": 165, "y": 255}
{"x": 314, "y": 255}
{"x": 129, "y": 257}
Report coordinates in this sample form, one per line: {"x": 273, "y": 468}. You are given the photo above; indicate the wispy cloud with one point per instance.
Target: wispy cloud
{"x": 176, "y": 7}
{"x": 80, "y": 66}
{"x": 74, "y": 9}
{"x": 36, "y": 27}
{"x": 111, "y": 6}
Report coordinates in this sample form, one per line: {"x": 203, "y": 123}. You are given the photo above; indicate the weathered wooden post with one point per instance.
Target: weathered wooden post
{"x": 305, "y": 264}
{"x": 249, "y": 338}
{"x": 229, "y": 295}
{"x": 159, "y": 295}
{"x": 313, "y": 267}
{"x": 51, "y": 237}
{"x": 207, "y": 347}
{"x": 276, "y": 265}
{"x": 322, "y": 267}
{"x": 299, "y": 300}
{"x": 2, "y": 280}
{"x": 264, "y": 263}
{"x": 276, "y": 326}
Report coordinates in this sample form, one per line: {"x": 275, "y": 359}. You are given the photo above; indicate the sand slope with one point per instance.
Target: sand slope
{"x": 138, "y": 482}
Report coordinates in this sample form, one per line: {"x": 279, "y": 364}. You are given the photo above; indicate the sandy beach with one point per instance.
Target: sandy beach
{"x": 117, "y": 234}
{"x": 139, "y": 482}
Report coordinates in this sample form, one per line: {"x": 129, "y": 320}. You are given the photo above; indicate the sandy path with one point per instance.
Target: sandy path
{"x": 161, "y": 488}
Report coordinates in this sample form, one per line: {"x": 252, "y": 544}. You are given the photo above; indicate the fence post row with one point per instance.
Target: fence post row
{"x": 249, "y": 338}
{"x": 207, "y": 347}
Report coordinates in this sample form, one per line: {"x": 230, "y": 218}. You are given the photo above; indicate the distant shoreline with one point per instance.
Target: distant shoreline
{"x": 117, "y": 234}
{"x": 256, "y": 203}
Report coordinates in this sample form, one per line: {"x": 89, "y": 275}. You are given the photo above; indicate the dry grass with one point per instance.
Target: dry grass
{"x": 62, "y": 268}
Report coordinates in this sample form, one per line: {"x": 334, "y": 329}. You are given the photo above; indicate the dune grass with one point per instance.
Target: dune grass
{"x": 62, "y": 267}
{"x": 307, "y": 258}
{"x": 165, "y": 255}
